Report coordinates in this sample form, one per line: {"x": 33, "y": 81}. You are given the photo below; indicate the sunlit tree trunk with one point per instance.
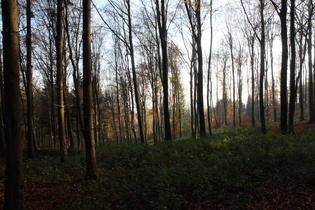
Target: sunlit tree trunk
{"x": 2, "y": 139}
{"x": 60, "y": 82}
{"x": 13, "y": 195}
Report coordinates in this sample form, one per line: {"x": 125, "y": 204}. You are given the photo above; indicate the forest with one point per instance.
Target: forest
{"x": 157, "y": 104}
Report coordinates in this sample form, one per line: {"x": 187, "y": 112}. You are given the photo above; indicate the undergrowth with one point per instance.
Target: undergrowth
{"x": 174, "y": 174}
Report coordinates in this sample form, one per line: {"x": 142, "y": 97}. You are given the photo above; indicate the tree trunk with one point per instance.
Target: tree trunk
{"x": 230, "y": 40}
{"x": 60, "y": 83}
{"x": 274, "y": 102}
{"x": 2, "y": 139}
{"x": 200, "y": 72}
{"x": 310, "y": 67}
{"x": 209, "y": 92}
{"x": 13, "y": 195}
{"x": 75, "y": 78}
{"x": 134, "y": 75}
{"x": 161, "y": 18}
{"x": 29, "y": 86}
{"x": 293, "y": 92}
{"x": 52, "y": 94}
{"x": 252, "y": 46}
{"x": 262, "y": 69}
{"x": 91, "y": 170}
{"x": 302, "y": 55}
{"x": 284, "y": 67}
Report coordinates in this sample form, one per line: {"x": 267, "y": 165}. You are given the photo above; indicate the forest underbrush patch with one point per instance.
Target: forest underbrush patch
{"x": 233, "y": 169}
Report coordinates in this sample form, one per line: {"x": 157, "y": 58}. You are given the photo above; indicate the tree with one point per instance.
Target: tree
{"x": 127, "y": 38}
{"x": 230, "y": 44}
{"x": 302, "y": 32}
{"x": 293, "y": 86}
{"x": 310, "y": 64}
{"x": 270, "y": 38}
{"x": 284, "y": 64}
{"x": 261, "y": 40}
{"x": 209, "y": 83}
{"x": 29, "y": 87}
{"x": 250, "y": 37}
{"x": 2, "y": 140}
{"x": 161, "y": 19}
{"x": 194, "y": 16}
{"x": 60, "y": 82}
{"x": 91, "y": 170}
{"x": 240, "y": 61}
{"x": 13, "y": 198}
{"x": 74, "y": 55}
{"x": 262, "y": 68}
{"x": 134, "y": 76}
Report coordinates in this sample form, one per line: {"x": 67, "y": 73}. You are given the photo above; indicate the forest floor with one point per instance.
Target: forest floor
{"x": 67, "y": 189}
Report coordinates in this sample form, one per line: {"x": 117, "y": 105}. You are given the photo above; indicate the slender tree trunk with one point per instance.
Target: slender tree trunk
{"x": 13, "y": 195}
{"x": 284, "y": 67}
{"x": 75, "y": 79}
{"x": 2, "y": 139}
{"x": 230, "y": 39}
{"x": 161, "y": 18}
{"x": 252, "y": 44}
{"x": 52, "y": 95}
{"x": 224, "y": 91}
{"x": 293, "y": 92}
{"x": 262, "y": 69}
{"x": 274, "y": 102}
{"x": 60, "y": 82}
{"x": 192, "y": 101}
{"x": 29, "y": 86}
{"x": 91, "y": 170}
{"x": 134, "y": 75}
{"x": 209, "y": 95}
{"x": 200, "y": 72}
{"x": 310, "y": 66}
{"x": 240, "y": 85}
{"x": 302, "y": 55}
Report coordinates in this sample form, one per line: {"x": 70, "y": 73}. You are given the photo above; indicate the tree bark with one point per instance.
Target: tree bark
{"x": 161, "y": 18}
{"x": 293, "y": 89}
{"x": 60, "y": 82}
{"x": 310, "y": 67}
{"x": 13, "y": 198}
{"x": 91, "y": 170}
{"x": 200, "y": 72}
{"x": 262, "y": 69}
{"x": 2, "y": 139}
{"x": 29, "y": 86}
{"x": 230, "y": 43}
{"x": 209, "y": 92}
{"x": 134, "y": 75}
{"x": 284, "y": 67}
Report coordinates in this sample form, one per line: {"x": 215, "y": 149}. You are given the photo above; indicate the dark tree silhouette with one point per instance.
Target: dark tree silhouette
{"x": 13, "y": 198}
